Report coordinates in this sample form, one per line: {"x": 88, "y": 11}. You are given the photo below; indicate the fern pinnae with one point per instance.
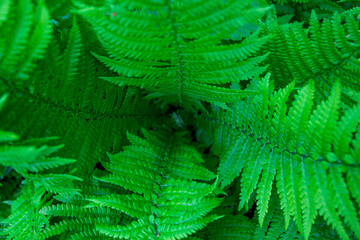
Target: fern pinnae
{"x": 356, "y": 151}
{"x": 317, "y": 35}
{"x": 331, "y": 51}
{"x": 298, "y": 116}
{"x": 251, "y": 173}
{"x": 281, "y": 177}
{"x": 79, "y": 224}
{"x": 38, "y": 41}
{"x": 47, "y": 163}
{"x": 341, "y": 39}
{"x": 90, "y": 234}
{"x": 325, "y": 202}
{"x": 278, "y": 110}
{"x": 232, "y": 161}
{"x": 19, "y": 32}
{"x": 352, "y": 180}
{"x": 344, "y": 129}
{"x": 276, "y": 226}
{"x": 70, "y": 59}
{"x": 136, "y": 186}
{"x": 293, "y": 190}
{"x": 166, "y": 189}
{"x": 297, "y": 61}
{"x": 351, "y": 28}
{"x": 232, "y": 227}
{"x": 314, "y": 63}
{"x": 178, "y": 77}
{"x": 342, "y": 199}
{"x": 308, "y": 194}
{"x": 4, "y": 12}
{"x": 136, "y": 230}
{"x": 323, "y": 122}
{"x": 263, "y": 192}
{"x": 133, "y": 205}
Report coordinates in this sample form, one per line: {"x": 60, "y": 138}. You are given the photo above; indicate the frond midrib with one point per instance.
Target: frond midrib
{"x": 251, "y": 135}
{"x": 87, "y": 114}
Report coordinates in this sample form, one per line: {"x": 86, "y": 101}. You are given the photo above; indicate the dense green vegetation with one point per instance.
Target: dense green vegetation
{"x": 179, "y": 119}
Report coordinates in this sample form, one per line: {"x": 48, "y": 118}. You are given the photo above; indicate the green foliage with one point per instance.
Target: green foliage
{"x": 298, "y": 148}
{"x": 330, "y": 53}
{"x": 192, "y": 119}
{"x": 174, "y": 49}
{"x": 28, "y": 31}
{"x": 33, "y": 162}
{"x": 166, "y": 201}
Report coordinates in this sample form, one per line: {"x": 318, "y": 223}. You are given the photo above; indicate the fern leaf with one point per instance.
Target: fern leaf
{"x": 136, "y": 230}
{"x": 72, "y": 210}
{"x": 326, "y": 203}
{"x": 279, "y": 108}
{"x": 80, "y": 224}
{"x": 343, "y": 135}
{"x": 164, "y": 172}
{"x": 166, "y": 51}
{"x": 323, "y": 123}
{"x": 182, "y": 230}
{"x": 281, "y": 184}
{"x": 342, "y": 200}
{"x": 276, "y": 227}
{"x": 70, "y": 60}
{"x": 56, "y": 183}
{"x": 4, "y": 12}
{"x": 232, "y": 162}
{"x": 47, "y": 163}
{"x": 308, "y": 194}
{"x": 293, "y": 190}
{"x": 299, "y": 114}
{"x": 252, "y": 171}
{"x": 133, "y": 205}
{"x": 265, "y": 185}
{"x": 19, "y": 32}
{"x": 38, "y": 41}
{"x": 352, "y": 179}
{"x": 324, "y": 53}
{"x": 295, "y": 147}
{"x": 7, "y": 136}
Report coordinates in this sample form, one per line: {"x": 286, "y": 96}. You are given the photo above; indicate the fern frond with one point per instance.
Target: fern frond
{"x": 38, "y": 41}
{"x": 294, "y": 147}
{"x": 265, "y": 185}
{"x": 151, "y": 97}
{"x": 137, "y": 230}
{"x": 298, "y": 117}
{"x": 59, "y": 101}
{"x": 326, "y": 54}
{"x": 28, "y": 160}
{"x": 27, "y": 38}
{"x": 78, "y": 225}
{"x": 31, "y": 159}
{"x": 19, "y": 32}
{"x": 170, "y": 204}
{"x": 166, "y": 48}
